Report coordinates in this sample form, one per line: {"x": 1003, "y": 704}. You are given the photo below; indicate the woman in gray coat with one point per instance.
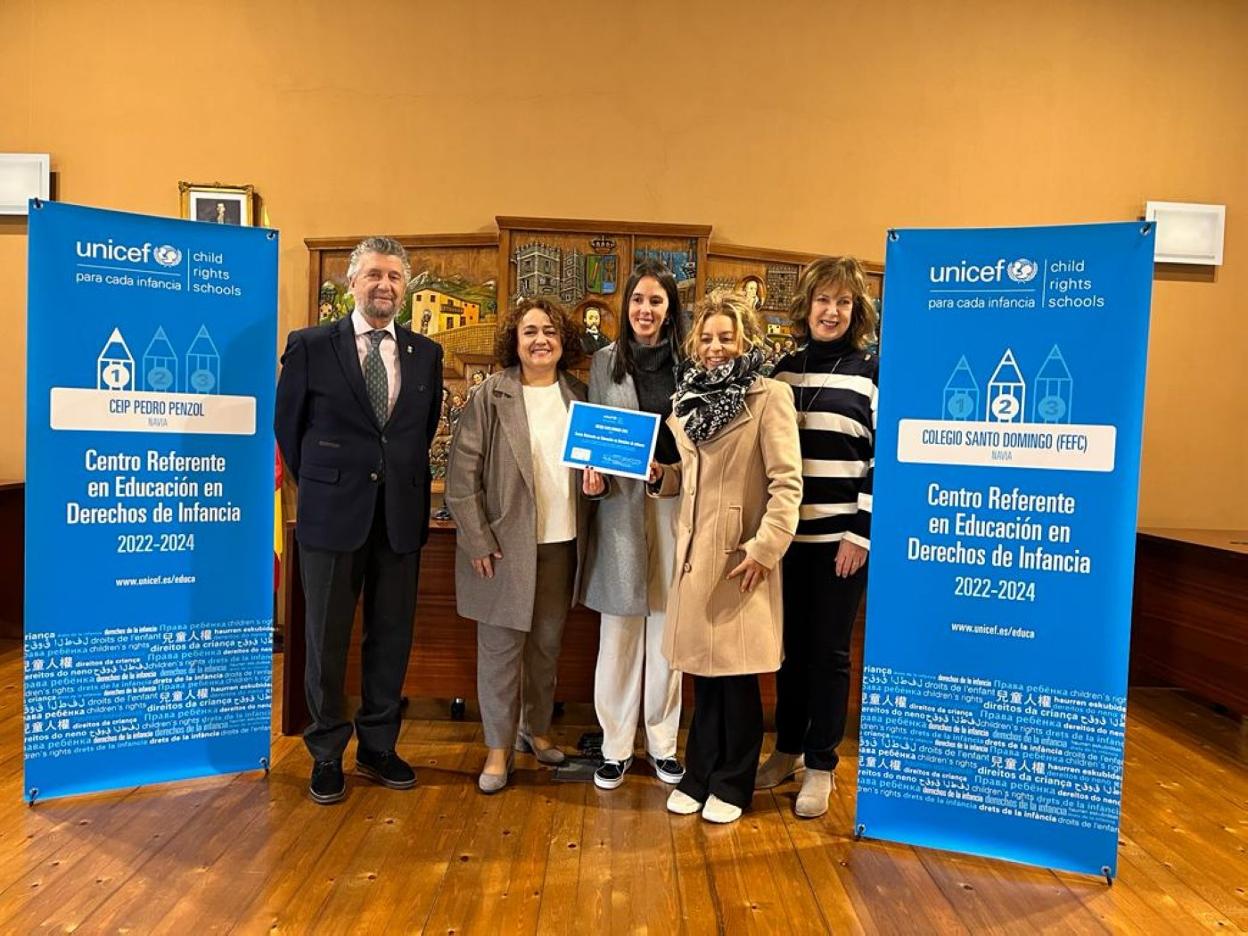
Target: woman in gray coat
{"x": 632, "y": 539}
{"x": 521, "y": 524}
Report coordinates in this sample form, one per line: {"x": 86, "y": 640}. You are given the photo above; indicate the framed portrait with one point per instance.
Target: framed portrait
{"x": 597, "y": 321}
{"x": 754, "y": 290}
{"x": 217, "y": 203}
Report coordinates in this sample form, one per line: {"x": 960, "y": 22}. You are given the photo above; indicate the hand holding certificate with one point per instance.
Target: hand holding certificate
{"x": 610, "y": 440}
{"x": 592, "y": 482}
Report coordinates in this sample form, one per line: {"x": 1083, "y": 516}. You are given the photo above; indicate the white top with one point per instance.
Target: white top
{"x": 389, "y": 350}
{"x": 552, "y": 482}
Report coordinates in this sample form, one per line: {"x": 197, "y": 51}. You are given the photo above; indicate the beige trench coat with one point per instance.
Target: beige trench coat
{"x": 489, "y": 492}
{"x": 739, "y": 495}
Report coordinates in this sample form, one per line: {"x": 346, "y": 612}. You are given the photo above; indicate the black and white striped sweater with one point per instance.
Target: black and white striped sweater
{"x": 835, "y": 387}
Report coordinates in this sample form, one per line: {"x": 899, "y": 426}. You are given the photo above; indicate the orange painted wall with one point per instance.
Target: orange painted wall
{"x": 809, "y": 125}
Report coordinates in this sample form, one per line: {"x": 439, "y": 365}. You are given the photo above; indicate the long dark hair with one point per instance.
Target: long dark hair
{"x": 673, "y": 329}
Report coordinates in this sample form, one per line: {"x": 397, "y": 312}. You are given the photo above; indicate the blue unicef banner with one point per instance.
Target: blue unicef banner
{"x": 149, "y": 499}
{"x": 1003, "y": 541}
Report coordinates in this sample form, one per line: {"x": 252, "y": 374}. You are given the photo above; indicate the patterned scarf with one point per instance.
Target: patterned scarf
{"x": 714, "y": 397}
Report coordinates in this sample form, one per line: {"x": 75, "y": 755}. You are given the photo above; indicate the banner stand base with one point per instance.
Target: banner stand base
{"x": 860, "y": 832}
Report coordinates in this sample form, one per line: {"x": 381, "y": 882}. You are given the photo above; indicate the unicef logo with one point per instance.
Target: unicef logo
{"x": 167, "y": 255}
{"x": 1022, "y": 270}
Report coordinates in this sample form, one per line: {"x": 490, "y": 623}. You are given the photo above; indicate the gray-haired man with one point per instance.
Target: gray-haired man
{"x": 358, "y": 403}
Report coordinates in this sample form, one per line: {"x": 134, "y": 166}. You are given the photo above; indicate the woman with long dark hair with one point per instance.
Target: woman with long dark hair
{"x": 633, "y": 537}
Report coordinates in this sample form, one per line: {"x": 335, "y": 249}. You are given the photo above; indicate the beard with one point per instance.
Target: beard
{"x": 380, "y": 313}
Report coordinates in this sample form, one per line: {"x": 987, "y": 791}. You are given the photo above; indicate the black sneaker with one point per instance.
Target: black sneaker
{"x": 386, "y": 768}
{"x": 328, "y": 784}
{"x": 611, "y": 774}
{"x": 668, "y": 769}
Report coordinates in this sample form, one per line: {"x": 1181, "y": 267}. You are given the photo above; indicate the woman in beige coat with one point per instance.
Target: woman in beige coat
{"x": 740, "y": 485}
{"x": 521, "y": 525}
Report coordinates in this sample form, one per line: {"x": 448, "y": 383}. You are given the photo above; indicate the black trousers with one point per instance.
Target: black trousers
{"x": 812, "y": 687}
{"x": 725, "y": 738}
{"x": 332, "y": 582}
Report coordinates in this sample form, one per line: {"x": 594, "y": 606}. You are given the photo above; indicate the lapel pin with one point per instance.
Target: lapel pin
{"x": 409, "y": 349}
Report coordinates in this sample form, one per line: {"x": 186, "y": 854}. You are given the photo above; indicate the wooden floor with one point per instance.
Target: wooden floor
{"x": 242, "y": 854}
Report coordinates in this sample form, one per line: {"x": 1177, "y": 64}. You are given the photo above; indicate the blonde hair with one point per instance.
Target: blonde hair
{"x": 745, "y": 321}
{"x": 836, "y": 273}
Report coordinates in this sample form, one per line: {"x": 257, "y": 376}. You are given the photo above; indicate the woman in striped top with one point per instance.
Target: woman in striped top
{"x": 834, "y": 381}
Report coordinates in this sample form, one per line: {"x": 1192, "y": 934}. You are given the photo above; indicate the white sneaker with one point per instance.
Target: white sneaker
{"x": 716, "y": 810}
{"x": 682, "y": 804}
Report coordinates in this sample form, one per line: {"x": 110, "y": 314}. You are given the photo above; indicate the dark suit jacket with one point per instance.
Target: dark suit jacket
{"x": 338, "y": 454}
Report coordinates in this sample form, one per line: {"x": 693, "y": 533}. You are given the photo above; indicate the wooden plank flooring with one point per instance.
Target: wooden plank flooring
{"x": 242, "y": 854}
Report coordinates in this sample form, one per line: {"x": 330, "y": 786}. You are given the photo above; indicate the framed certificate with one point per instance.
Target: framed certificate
{"x": 613, "y": 441}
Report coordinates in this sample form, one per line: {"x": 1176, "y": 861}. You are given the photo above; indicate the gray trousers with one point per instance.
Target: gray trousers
{"x": 332, "y": 582}
{"x": 516, "y": 669}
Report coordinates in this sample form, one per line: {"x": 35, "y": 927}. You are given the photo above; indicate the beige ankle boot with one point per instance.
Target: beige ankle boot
{"x": 778, "y": 768}
{"x": 812, "y": 799}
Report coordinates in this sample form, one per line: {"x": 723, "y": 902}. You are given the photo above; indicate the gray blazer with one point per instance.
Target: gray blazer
{"x": 489, "y": 492}
{"x": 616, "y": 562}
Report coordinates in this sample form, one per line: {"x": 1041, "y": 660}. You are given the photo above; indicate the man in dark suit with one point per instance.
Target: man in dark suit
{"x": 358, "y": 404}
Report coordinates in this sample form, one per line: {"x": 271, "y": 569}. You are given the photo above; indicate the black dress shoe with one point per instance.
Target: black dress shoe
{"x": 386, "y": 768}
{"x": 328, "y": 784}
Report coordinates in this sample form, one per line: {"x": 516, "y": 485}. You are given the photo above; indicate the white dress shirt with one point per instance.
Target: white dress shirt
{"x": 389, "y": 350}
